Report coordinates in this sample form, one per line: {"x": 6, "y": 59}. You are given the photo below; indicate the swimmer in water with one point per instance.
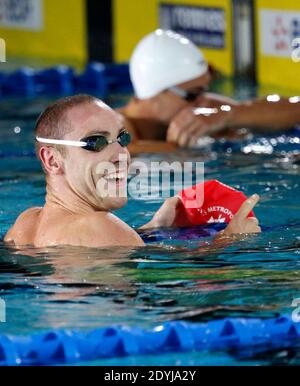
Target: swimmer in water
{"x": 74, "y": 136}
{"x": 171, "y": 78}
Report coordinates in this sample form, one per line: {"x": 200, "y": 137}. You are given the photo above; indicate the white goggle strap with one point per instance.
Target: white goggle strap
{"x": 178, "y": 91}
{"x": 61, "y": 142}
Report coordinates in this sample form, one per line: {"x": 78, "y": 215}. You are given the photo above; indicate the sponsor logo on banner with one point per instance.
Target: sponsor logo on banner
{"x": 21, "y": 14}
{"x": 205, "y": 26}
{"x": 279, "y": 32}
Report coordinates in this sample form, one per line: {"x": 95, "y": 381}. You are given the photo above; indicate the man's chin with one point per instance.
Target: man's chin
{"x": 116, "y": 203}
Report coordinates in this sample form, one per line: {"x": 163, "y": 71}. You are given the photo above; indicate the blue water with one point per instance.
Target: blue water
{"x": 180, "y": 275}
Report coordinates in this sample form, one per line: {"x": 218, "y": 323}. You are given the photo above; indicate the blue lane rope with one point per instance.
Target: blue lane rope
{"x": 97, "y": 78}
{"x": 66, "y": 347}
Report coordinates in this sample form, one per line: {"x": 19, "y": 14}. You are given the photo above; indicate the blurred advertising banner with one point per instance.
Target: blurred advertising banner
{"x": 21, "y": 14}
{"x": 278, "y": 45}
{"x": 44, "y": 32}
{"x": 205, "y": 26}
{"x": 278, "y": 30}
{"x": 206, "y": 22}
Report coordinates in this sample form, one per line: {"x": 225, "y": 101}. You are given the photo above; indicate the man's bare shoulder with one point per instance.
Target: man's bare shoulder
{"x": 23, "y": 222}
{"x": 28, "y": 217}
{"x": 102, "y": 229}
{"x": 29, "y": 213}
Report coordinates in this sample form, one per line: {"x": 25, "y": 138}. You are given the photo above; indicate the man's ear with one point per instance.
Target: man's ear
{"x": 51, "y": 160}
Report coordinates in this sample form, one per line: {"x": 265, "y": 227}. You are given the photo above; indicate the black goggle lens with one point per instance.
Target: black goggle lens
{"x": 99, "y": 142}
{"x": 192, "y": 96}
{"x": 124, "y": 139}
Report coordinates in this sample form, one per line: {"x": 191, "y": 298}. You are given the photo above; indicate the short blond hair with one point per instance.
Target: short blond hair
{"x": 53, "y": 122}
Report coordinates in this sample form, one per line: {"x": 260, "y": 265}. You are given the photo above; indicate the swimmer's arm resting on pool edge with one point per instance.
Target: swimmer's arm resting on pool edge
{"x": 269, "y": 114}
{"x": 167, "y": 215}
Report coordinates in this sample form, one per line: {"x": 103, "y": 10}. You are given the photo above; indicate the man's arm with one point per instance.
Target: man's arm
{"x": 272, "y": 113}
{"x": 281, "y": 113}
{"x": 107, "y": 230}
{"x": 167, "y": 216}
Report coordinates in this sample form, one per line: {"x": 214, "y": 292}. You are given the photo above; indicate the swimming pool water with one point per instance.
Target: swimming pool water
{"x": 183, "y": 277}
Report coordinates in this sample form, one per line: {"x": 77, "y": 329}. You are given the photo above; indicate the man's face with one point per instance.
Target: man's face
{"x": 169, "y": 104}
{"x": 97, "y": 178}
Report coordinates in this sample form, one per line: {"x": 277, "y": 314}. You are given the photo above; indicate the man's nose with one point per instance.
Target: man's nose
{"x": 117, "y": 150}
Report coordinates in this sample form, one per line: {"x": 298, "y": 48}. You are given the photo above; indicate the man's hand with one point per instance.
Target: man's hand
{"x": 165, "y": 217}
{"x": 241, "y": 223}
{"x": 192, "y": 123}
{"x": 168, "y": 215}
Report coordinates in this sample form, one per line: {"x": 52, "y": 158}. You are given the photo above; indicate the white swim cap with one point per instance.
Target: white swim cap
{"x": 164, "y": 59}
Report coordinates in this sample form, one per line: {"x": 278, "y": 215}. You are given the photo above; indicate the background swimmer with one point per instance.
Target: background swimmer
{"x": 171, "y": 78}
{"x": 76, "y": 212}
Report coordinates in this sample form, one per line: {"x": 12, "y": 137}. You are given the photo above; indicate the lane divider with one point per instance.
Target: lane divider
{"x": 63, "y": 347}
{"x": 97, "y": 78}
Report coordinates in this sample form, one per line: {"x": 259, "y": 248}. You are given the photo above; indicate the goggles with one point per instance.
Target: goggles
{"x": 189, "y": 96}
{"x": 94, "y": 143}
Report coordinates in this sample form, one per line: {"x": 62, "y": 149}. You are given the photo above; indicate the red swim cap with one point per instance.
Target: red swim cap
{"x": 208, "y": 203}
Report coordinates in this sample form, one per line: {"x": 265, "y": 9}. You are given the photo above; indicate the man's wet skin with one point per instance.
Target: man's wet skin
{"x": 152, "y": 116}
{"x": 83, "y": 186}
{"x": 170, "y": 119}
{"x": 75, "y": 212}
{"x": 155, "y": 119}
